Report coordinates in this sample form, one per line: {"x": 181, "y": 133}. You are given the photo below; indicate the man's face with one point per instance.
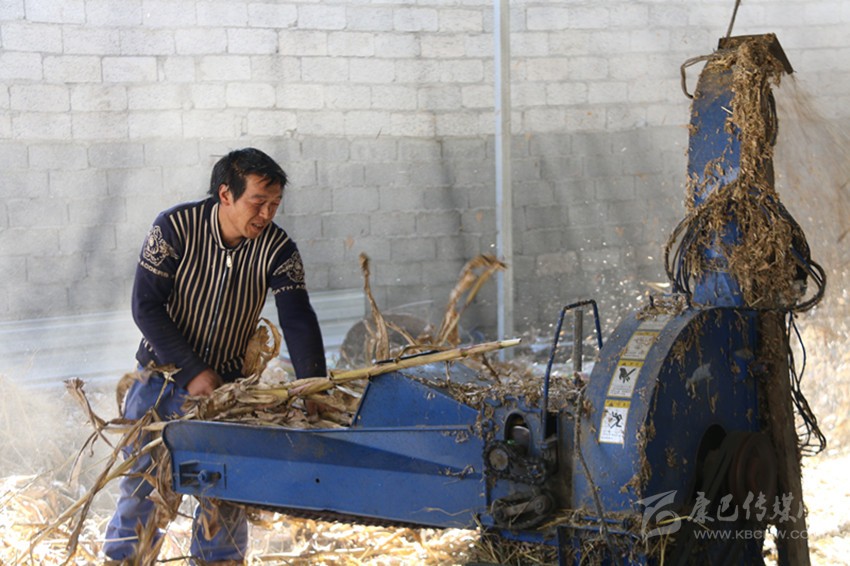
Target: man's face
{"x": 248, "y": 216}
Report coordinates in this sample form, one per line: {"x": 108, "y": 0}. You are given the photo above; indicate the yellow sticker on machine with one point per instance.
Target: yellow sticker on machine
{"x": 639, "y": 345}
{"x": 612, "y": 428}
{"x": 624, "y": 379}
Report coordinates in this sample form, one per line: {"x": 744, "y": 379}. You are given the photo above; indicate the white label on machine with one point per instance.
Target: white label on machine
{"x": 639, "y": 345}
{"x": 656, "y": 323}
{"x": 612, "y": 429}
{"x": 624, "y": 379}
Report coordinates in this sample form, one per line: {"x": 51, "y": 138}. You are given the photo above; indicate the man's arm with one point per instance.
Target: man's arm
{"x": 152, "y": 287}
{"x": 296, "y": 316}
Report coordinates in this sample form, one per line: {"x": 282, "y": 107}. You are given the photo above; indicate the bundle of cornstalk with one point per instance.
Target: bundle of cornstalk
{"x": 269, "y": 397}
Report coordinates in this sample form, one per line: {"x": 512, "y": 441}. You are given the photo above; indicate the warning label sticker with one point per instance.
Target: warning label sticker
{"x": 656, "y": 323}
{"x": 639, "y": 345}
{"x": 624, "y": 379}
{"x": 612, "y": 429}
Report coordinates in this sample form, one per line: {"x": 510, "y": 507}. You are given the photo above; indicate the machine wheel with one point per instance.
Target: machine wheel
{"x": 754, "y": 468}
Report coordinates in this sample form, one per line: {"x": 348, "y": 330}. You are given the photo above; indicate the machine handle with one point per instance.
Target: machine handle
{"x": 555, "y": 347}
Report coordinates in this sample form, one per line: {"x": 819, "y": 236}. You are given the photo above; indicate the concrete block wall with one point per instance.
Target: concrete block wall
{"x": 382, "y": 113}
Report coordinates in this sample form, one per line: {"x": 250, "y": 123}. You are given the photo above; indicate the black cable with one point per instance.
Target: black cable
{"x": 810, "y": 438}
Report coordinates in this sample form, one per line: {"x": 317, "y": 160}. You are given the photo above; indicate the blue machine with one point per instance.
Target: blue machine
{"x": 665, "y": 442}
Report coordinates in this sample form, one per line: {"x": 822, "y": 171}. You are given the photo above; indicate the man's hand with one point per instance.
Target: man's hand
{"x": 203, "y": 384}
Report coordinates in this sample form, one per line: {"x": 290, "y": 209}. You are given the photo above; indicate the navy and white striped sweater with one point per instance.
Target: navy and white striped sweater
{"x": 198, "y": 302}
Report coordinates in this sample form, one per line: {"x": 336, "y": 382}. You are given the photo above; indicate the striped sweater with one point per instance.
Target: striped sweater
{"x": 198, "y": 302}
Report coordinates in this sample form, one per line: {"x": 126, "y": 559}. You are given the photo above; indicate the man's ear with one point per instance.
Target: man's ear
{"x": 224, "y": 194}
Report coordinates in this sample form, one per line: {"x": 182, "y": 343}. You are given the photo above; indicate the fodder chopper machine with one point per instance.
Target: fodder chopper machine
{"x": 682, "y": 446}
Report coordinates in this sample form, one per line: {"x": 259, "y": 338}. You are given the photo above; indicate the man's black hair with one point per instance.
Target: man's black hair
{"x": 232, "y": 169}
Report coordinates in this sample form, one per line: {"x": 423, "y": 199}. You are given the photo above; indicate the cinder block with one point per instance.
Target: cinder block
{"x": 394, "y": 98}
{"x": 345, "y": 225}
{"x": 12, "y": 10}
{"x": 301, "y": 198}
{"x": 556, "y": 263}
{"x": 147, "y": 41}
{"x": 438, "y": 223}
{"x": 369, "y": 18}
{"x": 168, "y": 13}
{"x": 530, "y": 44}
{"x": 100, "y": 213}
{"x": 549, "y": 18}
{"x": 416, "y": 19}
{"x": 28, "y": 36}
{"x": 107, "y": 13}
{"x": 171, "y": 153}
{"x": 367, "y": 123}
{"x": 272, "y": 15}
{"x": 323, "y": 123}
{"x": 325, "y": 70}
{"x": 156, "y": 96}
{"x": 461, "y": 21}
{"x": 204, "y": 41}
{"x": 27, "y": 207}
{"x": 399, "y": 273}
{"x": 443, "y": 46}
{"x": 70, "y": 69}
{"x": 25, "y": 66}
{"x": 399, "y": 223}
{"x": 35, "y": 301}
{"x": 432, "y": 174}
{"x": 208, "y": 97}
{"x": 39, "y": 98}
{"x": 272, "y": 122}
{"x": 116, "y": 155}
{"x": 347, "y": 97}
{"x": 478, "y": 221}
{"x": 300, "y": 226}
{"x": 99, "y": 125}
{"x": 41, "y": 125}
{"x": 372, "y": 71}
{"x": 369, "y": 150}
{"x": 300, "y": 96}
{"x": 318, "y": 16}
{"x": 67, "y": 12}
{"x": 178, "y": 69}
{"x": 303, "y": 43}
{"x": 13, "y": 155}
{"x": 223, "y": 14}
{"x": 456, "y": 124}
{"x": 155, "y": 124}
{"x": 210, "y": 124}
{"x": 343, "y": 179}
{"x": 442, "y": 97}
{"x": 26, "y": 183}
{"x": 250, "y": 95}
{"x": 251, "y": 41}
{"x": 67, "y": 182}
{"x": 395, "y": 195}
{"x": 135, "y": 181}
{"x": 351, "y": 44}
{"x": 129, "y": 69}
{"x": 378, "y": 250}
{"x": 396, "y": 46}
{"x": 228, "y": 68}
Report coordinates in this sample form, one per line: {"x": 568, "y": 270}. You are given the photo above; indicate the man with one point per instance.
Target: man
{"x": 203, "y": 276}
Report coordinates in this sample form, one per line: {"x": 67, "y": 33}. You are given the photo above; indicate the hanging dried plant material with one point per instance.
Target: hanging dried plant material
{"x": 469, "y": 284}
{"x": 260, "y": 351}
{"x": 379, "y": 343}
